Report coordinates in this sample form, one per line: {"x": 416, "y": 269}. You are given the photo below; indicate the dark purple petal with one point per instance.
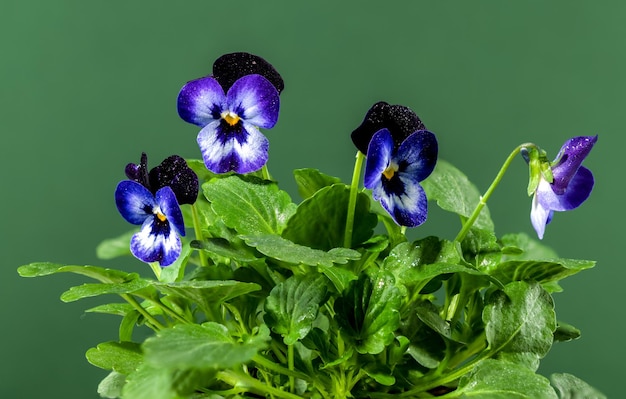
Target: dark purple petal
{"x": 570, "y": 157}
{"x": 576, "y": 193}
{"x": 379, "y": 155}
{"x": 240, "y": 148}
{"x": 134, "y": 201}
{"x": 139, "y": 173}
{"x": 230, "y": 67}
{"x": 166, "y": 200}
{"x": 419, "y": 154}
{"x": 401, "y": 121}
{"x": 156, "y": 242}
{"x": 201, "y": 101}
{"x": 175, "y": 173}
{"x": 254, "y": 99}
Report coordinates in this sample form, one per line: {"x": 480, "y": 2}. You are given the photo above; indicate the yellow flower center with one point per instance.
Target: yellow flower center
{"x": 230, "y": 117}
{"x": 390, "y": 171}
{"x": 160, "y": 215}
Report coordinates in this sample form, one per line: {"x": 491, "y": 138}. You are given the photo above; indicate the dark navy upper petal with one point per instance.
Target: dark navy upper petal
{"x": 401, "y": 121}
{"x": 134, "y": 201}
{"x": 570, "y": 157}
{"x": 418, "y": 154}
{"x": 139, "y": 173}
{"x": 230, "y": 67}
{"x": 576, "y": 192}
{"x": 201, "y": 101}
{"x": 175, "y": 173}
{"x": 254, "y": 99}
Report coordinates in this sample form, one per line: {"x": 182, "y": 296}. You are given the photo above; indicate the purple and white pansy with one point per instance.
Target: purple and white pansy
{"x": 572, "y": 183}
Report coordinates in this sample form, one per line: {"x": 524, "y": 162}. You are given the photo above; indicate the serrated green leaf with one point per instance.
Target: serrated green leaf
{"x": 495, "y": 379}
{"x": 91, "y": 290}
{"x": 248, "y": 205}
{"x": 320, "y": 220}
{"x": 572, "y": 387}
{"x": 310, "y": 181}
{"x": 520, "y": 321}
{"x": 368, "y": 312}
{"x": 38, "y": 269}
{"x": 543, "y": 271}
{"x": 123, "y": 357}
{"x": 149, "y": 383}
{"x": 455, "y": 193}
{"x": 226, "y": 249}
{"x": 115, "y": 247}
{"x": 292, "y": 306}
{"x": 380, "y": 373}
{"x": 111, "y": 386}
{"x": 206, "y": 346}
{"x": 207, "y": 294}
{"x": 281, "y": 249}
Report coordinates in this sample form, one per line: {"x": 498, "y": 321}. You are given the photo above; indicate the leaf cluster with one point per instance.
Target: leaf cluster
{"x": 267, "y": 302}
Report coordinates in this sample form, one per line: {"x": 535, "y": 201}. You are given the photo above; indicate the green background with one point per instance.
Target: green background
{"x": 86, "y": 86}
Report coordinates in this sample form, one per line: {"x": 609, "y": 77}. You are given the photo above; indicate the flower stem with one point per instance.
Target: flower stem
{"x": 198, "y": 232}
{"x": 290, "y": 364}
{"x": 156, "y": 268}
{"x": 354, "y": 187}
{"x": 130, "y": 299}
{"x": 485, "y": 197}
{"x": 245, "y": 381}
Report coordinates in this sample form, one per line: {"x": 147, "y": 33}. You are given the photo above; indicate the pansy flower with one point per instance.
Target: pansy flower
{"x": 160, "y": 218}
{"x": 399, "y": 120}
{"x": 230, "y": 67}
{"x": 394, "y": 173}
{"x": 571, "y": 185}
{"x": 231, "y": 114}
{"x": 173, "y": 172}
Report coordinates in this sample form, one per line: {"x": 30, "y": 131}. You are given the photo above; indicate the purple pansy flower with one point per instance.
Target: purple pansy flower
{"x": 401, "y": 122}
{"x": 571, "y": 186}
{"x": 230, "y": 139}
{"x": 394, "y": 173}
{"x": 160, "y": 218}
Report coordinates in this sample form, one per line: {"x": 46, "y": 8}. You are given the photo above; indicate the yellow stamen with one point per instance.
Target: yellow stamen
{"x": 161, "y": 216}
{"x": 230, "y": 117}
{"x": 390, "y": 171}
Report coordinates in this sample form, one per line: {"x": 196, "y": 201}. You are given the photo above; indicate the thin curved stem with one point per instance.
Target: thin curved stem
{"x": 198, "y": 232}
{"x": 354, "y": 187}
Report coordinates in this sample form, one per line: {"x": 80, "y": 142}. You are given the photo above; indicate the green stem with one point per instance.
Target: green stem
{"x": 198, "y": 232}
{"x": 130, "y": 299}
{"x": 270, "y": 365}
{"x": 290, "y": 364}
{"x": 266, "y": 173}
{"x": 245, "y": 381}
{"x": 485, "y": 197}
{"x": 354, "y": 187}
{"x": 156, "y": 268}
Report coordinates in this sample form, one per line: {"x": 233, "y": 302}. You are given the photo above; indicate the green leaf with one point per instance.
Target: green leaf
{"x": 531, "y": 248}
{"x": 206, "y": 346}
{"x": 115, "y": 247}
{"x": 120, "y": 309}
{"x": 543, "y": 271}
{"x": 199, "y": 168}
{"x": 123, "y": 357}
{"x": 565, "y": 332}
{"x": 91, "y": 290}
{"x": 207, "y": 294}
{"x": 248, "y": 205}
{"x": 111, "y": 386}
{"x": 519, "y": 322}
{"x": 38, "y": 269}
{"x": 149, "y": 383}
{"x": 455, "y": 193}
{"x": 571, "y": 387}
{"x": 495, "y": 379}
{"x": 226, "y": 249}
{"x": 310, "y": 181}
{"x": 367, "y": 312}
{"x": 282, "y": 249}
{"x": 292, "y": 306}
{"x": 176, "y": 271}
{"x": 320, "y": 220}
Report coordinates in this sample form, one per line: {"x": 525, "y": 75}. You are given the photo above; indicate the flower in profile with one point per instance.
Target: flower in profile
{"x": 394, "y": 173}
{"x": 231, "y": 106}
{"x": 571, "y": 185}
{"x": 160, "y": 218}
{"x": 399, "y": 120}
{"x": 173, "y": 172}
